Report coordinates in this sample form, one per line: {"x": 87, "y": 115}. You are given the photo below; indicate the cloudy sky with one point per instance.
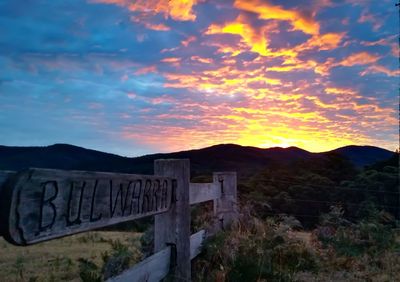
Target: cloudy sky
{"x": 135, "y": 77}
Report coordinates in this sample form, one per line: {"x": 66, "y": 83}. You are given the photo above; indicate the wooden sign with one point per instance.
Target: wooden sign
{"x": 42, "y": 204}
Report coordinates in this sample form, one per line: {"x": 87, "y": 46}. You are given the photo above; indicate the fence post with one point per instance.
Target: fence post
{"x": 225, "y": 208}
{"x": 173, "y": 227}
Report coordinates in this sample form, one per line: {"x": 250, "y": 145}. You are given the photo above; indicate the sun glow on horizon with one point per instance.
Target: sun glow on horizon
{"x": 171, "y": 75}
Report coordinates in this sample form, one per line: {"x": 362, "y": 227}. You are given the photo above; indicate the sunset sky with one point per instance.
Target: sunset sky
{"x": 136, "y": 77}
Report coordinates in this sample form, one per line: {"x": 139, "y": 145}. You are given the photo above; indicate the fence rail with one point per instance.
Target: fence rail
{"x": 203, "y": 192}
{"x": 40, "y": 204}
{"x": 158, "y": 265}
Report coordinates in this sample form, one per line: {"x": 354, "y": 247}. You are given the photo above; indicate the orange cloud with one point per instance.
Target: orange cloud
{"x": 335, "y": 90}
{"x": 251, "y": 37}
{"x": 361, "y": 58}
{"x": 179, "y": 10}
{"x": 262, "y": 107}
{"x": 260, "y": 121}
{"x": 295, "y": 64}
{"x": 201, "y": 59}
{"x": 146, "y": 70}
{"x": 375, "y": 21}
{"x": 259, "y": 124}
{"x": 226, "y": 48}
{"x": 171, "y": 60}
{"x": 291, "y": 64}
{"x": 390, "y": 41}
{"x": 267, "y": 11}
{"x": 148, "y": 24}
{"x": 327, "y": 41}
{"x": 162, "y": 100}
{"x": 224, "y": 81}
{"x": 188, "y": 40}
{"x": 159, "y": 27}
{"x": 254, "y": 39}
{"x": 380, "y": 69}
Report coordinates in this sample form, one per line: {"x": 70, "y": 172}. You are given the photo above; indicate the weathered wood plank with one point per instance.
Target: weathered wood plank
{"x": 42, "y": 204}
{"x": 196, "y": 243}
{"x": 173, "y": 227}
{"x": 225, "y": 208}
{"x": 203, "y": 192}
{"x": 152, "y": 269}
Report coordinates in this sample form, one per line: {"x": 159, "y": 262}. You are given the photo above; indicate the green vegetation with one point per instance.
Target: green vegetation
{"x": 254, "y": 251}
{"x": 275, "y": 250}
{"x": 119, "y": 259}
{"x": 314, "y": 220}
{"x": 307, "y": 189}
{"x": 320, "y": 220}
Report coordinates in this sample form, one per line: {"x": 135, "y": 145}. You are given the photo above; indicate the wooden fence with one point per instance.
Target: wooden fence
{"x": 37, "y": 205}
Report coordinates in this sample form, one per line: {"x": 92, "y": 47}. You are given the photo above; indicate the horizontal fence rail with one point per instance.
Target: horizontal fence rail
{"x": 203, "y": 192}
{"x": 196, "y": 243}
{"x": 157, "y": 266}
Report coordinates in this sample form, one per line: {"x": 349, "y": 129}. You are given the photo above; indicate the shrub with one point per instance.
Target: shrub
{"x": 89, "y": 271}
{"x": 255, "y": 250}
{"x": 114, "y": 262}
{"x": 117, "y": 261}
{"x": 368, "y": 236}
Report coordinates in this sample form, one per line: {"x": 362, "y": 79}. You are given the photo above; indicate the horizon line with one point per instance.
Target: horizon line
{"x": 194, "y": 149}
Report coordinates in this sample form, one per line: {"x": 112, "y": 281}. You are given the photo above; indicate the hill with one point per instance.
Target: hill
{"x": 364, "y": 155}
{"x": 244, "y": 160}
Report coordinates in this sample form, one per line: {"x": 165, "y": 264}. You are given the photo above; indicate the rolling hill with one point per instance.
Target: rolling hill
{"x": 244, "y": 160}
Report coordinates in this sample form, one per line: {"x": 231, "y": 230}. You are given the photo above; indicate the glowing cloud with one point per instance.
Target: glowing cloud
{"x": 179, "y": 10}
{"x": 326, "y": 41}
{"x": 256, "y": 40}
{"x": 179, "y": 74}
{"x": 266, "y": 11}
{"x": 361, "y": 58}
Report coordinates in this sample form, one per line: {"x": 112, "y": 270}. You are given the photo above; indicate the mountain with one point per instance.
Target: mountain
{"x": 60, "y": 156}
{"x": 228, "y": 157}
{"x": 364, "y": 155}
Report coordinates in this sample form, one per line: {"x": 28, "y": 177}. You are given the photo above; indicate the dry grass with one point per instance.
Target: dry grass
{"x": 58, "y": 259}
{"x": 303, "y": 236}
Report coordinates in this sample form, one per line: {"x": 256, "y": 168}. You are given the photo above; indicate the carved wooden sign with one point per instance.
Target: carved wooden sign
{"x": 42, "y": 204}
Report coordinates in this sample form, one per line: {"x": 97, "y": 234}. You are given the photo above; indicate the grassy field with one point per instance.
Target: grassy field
{"x": 58, "y": 259}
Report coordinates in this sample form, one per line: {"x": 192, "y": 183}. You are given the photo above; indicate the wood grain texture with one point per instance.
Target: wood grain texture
{"x": 196, "y": 243}
{"x": 173, "y": 227}
{"x": 42, "y": 204}
{"x": 203, "y": 192}
{"x": 152, "y": 269}
{"x": 225, "y": 208}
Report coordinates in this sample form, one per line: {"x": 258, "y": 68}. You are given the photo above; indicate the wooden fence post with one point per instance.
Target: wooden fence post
{"x": 225, "y": 208}
{"x": 173, "y": 227}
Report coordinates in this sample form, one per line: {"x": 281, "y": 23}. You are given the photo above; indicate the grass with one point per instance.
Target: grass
{"x": 274, "y": 249}
{"x": 57, "y": 260}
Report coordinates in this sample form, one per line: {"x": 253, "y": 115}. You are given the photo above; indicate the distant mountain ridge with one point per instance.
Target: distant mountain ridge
{"x": 243, "y": 159}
